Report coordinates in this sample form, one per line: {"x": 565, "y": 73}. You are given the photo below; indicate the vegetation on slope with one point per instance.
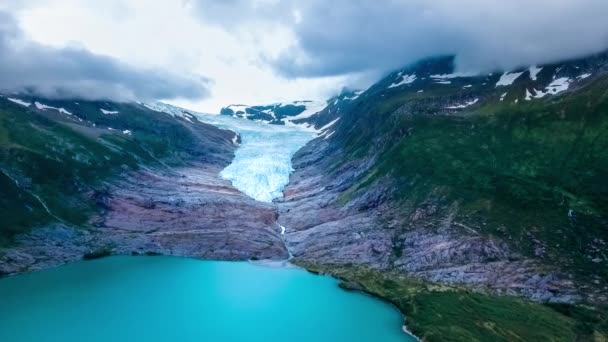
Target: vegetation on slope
{"x": 528, "y": 172}
{"x": 531, "y": 173}
{"x": 442, "y": 313}
{"x": 52, "y": 164}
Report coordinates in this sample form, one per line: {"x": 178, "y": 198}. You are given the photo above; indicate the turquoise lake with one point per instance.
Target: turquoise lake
{"x": 178, "y": 299}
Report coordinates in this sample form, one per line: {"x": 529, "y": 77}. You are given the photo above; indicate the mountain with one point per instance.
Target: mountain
{"x": 434, "y": 183}
{"x": 476, "y": 204}
{"x": 307, "y": 114}
{"x": 91, "y": 178}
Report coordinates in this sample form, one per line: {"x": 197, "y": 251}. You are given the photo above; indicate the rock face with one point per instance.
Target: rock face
{"x": 189, "y": 212}
{"x": 161, "y": 194}
{"x": 322, "y": 226}
{"x": 449, "y": 139}
{"x": 195, "y": 214}
{"x": 449, "y": 178}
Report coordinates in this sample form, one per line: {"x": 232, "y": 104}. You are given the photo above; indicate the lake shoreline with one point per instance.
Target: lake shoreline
{"x": 311, "y": 292}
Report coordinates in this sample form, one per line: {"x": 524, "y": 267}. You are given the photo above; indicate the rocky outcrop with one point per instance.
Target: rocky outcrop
{"x": 327, "y": 225}
{"x": 188, "y": 212}
{"x": 193, "y": 213}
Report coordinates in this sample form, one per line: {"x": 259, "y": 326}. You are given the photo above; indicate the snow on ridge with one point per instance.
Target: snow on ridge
{"x": 167, "y": 109}
{"x": 502, "y": 97}
{"x": 405, "y": 79}
{"x": 162, "y": 108}
{"x": 303, "y": 126}
{"x": 557, "y": 86}
{"x": 312, "y": 108}
{"x": 328, "y": 125}
{"x": 108, "y": 112}
{"x": 583, "y": 76}
{"x": 20, "y": 102}
{"x": 443, "y": 82}
{"x": 357, "y": 94}
{"x": 328, "y": 135}
{"x": 41, "y": 106}
{"x": 467, "y": 104}
{"x": 534, "y": 70}
{"x": 453, "y": 75}
{"x": 508, "y": 78}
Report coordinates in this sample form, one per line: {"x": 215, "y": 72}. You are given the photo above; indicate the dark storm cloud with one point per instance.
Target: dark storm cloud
{"x": 346, "y": 36}
{"x": 27, "y": 66}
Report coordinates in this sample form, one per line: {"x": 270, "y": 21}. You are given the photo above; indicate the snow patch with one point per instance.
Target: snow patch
{"x": 108, "y": 112}
{"x": 127, "y": 132}
{"x": 534, "y": 70}
{"x": 583, "y": 76}
{"x": 20, "y": 102}
{"x": 559, "y": 85}
{"x": 406, "y": 79}
{"x": 41, "y": 106}
{"x": 357, "y": 94}
{"x": 164, "y": 108}
{"x": 508, "y": 78}
{"x": 329, "y": 125}
{"x": 450, "y": 76}
{"x": 502, "y": 97}
{"x": 465, "y": 105}
{"x": 312, "y": 108}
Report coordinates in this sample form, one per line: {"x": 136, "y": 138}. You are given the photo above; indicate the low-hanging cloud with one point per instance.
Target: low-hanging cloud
{"x": 29, "y": 67}
{"x": 349, "y": 36}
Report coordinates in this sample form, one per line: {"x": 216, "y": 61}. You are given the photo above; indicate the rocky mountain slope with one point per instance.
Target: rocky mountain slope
{"x": 86, "y": 178}
{"x": 308, "y": 114}
{"x": 493, "y": 183}
{"x": 475, "y": 203}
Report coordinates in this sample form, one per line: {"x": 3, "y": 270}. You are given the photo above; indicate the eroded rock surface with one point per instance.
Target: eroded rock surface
{"x": 186, "y": 212}
{"x": 327, "y": 225}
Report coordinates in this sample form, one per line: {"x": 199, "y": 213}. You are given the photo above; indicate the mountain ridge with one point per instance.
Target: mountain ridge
{"x": 434, "y": 190}
{"x": 441, "y": 178}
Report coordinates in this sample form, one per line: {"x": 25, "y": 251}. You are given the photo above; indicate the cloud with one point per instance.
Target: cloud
{"x": 73, "y": 72}
{"x": 349, "y": 36}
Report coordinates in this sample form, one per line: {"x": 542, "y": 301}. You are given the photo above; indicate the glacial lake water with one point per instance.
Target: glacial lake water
{"x": 176, "y": 299}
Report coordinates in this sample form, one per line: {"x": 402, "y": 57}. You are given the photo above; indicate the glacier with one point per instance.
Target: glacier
{"x": 262, "y": 163}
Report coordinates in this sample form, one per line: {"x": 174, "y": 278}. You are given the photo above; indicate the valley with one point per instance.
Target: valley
{"x": 476, "y": 204}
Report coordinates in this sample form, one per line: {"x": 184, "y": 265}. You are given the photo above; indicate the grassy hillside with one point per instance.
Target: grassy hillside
{"x": 52, "y": 164}
{"x": 530, "y": 172}
{"x": 443, "y": 313}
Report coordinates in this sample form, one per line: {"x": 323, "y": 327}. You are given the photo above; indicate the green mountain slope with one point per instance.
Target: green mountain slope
{"x": 516, "y": 159}
{"x": 531, "y": 172}
{"x": 53, "y": 163}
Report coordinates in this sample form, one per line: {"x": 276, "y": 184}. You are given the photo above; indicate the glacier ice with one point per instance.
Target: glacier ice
{"x": 262, "y": 162}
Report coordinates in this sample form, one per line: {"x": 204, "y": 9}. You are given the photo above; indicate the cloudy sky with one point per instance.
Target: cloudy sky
{"x": 205, "y": 54}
